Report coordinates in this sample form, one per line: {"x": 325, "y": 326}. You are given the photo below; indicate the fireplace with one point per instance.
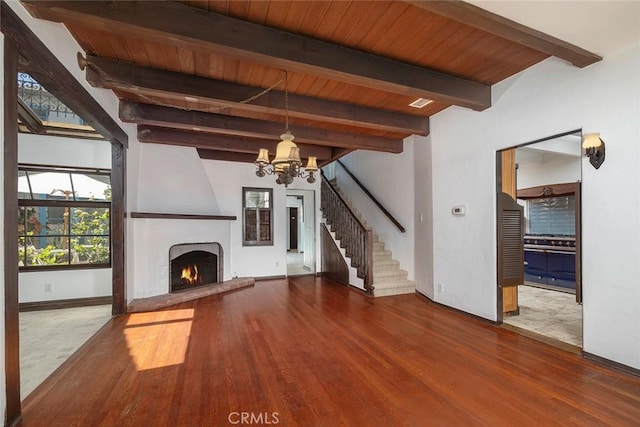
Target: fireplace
{"x": 194, "y": 264}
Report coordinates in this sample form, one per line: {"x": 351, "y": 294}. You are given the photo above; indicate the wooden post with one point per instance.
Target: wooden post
{"x": 509, "y": 186}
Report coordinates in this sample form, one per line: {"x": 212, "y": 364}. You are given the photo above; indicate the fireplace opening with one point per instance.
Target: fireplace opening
{"x": 193, "y": 265}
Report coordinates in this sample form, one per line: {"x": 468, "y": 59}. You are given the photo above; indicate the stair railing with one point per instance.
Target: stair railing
{"x": 354, "y": 236}
{"x": 373, "y": 199}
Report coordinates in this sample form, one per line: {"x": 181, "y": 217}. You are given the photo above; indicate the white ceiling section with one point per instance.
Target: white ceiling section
{"x": 601, "y": 27}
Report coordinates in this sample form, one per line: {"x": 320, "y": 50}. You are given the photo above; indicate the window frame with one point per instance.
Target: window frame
{"x": 257, "y": 210}
{"x": 70, "y": 204}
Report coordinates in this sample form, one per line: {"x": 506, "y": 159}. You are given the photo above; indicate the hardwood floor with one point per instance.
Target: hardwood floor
{"x": 311, "y": 352}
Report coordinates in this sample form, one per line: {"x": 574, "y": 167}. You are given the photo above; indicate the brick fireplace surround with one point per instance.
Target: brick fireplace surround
{"x": 161, "y": 301}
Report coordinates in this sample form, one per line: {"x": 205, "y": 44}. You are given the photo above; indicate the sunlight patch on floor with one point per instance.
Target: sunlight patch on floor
{"x": 147, "y": 343}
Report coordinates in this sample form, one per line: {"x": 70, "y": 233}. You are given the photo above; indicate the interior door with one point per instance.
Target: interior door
{"x": 293, "y": 228}
{"x": 510, "y": 248}
{"x": 578, "y": 256}
{"x": 507, "y": 185}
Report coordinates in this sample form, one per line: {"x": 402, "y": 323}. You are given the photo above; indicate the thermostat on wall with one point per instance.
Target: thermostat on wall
{"x": 458, "y": 211}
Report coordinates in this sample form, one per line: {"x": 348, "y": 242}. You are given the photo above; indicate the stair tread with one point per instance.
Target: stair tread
{"x": 390, "y": 272}
{"x": 388, "y": 278}
{"x": 400, "y": 284}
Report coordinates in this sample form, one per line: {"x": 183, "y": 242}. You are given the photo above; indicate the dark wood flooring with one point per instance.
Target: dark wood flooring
{"x": 317, "y": 353}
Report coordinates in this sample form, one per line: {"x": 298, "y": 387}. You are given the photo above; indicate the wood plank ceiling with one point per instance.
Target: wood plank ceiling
{"x": 194, "y": 73}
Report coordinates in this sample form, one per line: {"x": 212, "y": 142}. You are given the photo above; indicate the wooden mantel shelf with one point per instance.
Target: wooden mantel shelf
{"x": 181, "y": 216}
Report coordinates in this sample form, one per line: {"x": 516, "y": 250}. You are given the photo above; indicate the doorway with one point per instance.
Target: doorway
{"x": 546, "y": 184}
{"x": 301, "y": 232}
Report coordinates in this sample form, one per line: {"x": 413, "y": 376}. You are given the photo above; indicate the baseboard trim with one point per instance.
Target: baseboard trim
{"x": 543, "y": 338}
{"x": 64, "y": 303}
{"x": 16, "y": 422}
{"x": 611, "y": 364}
{"x": 263, "y": 278}
{"x": 457, "y": 310}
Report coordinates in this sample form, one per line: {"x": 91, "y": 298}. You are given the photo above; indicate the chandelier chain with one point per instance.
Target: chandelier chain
{"x": 286, "y": 101}
{"x": 222, "y": 107}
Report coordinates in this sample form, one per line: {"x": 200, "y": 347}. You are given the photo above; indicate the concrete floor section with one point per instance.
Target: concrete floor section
{"x": 553, "y": 314}
{"x": 295, "y": 264}
{"x": 49, "y": 337}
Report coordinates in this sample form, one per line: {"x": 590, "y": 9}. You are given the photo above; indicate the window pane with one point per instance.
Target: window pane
{"x": 23, "y": 186}
{"x": 256, "y": 199}
{"x": 90, "y": 250}
{"x": 21, "y": 252}
{"x": 265, "y": 225}
{"x": 91, "y": 186}
{"x": 250, "y": 225}
{"x": 47, "y": 251}
{"x": 90, "y": 221}
{"x": 21, "y": 224}
{"x": 48, "y": 185}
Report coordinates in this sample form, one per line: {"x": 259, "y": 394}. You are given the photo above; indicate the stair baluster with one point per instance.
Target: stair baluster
{"x": 354, "y": 236}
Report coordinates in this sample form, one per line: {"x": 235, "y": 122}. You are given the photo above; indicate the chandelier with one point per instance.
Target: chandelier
{"x": 287, "y": 164}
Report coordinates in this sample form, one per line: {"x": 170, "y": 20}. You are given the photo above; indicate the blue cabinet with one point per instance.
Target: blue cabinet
{"x": 550, "y": 261}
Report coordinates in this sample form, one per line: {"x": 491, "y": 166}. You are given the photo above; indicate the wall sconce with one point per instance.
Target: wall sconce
{"x": 593, "y": 148}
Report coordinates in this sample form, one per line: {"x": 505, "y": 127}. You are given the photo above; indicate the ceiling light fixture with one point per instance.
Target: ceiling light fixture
{"x": 287, "y": 164}
{"x": 420, "y": 102}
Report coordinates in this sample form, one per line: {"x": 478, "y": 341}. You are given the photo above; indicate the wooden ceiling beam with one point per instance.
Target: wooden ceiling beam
{"x": 228, "y": 156}
{"x": 187, "y": 27}
{"x": 118, "y": 75}
{"x": 208, "y": 141}
{"x": 198, "y": 121}
{"x": 29, "y": 118}
{"x": 497, "y": 25}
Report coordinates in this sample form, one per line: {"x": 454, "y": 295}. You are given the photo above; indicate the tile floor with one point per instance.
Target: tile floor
{"x": 49, "y": 337}
{"x": 295, "y": 264}
{"x": 550, "y": 313}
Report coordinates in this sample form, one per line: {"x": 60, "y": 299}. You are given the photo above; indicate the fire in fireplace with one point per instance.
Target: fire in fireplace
{"x": 194, "y": 264}
{"x": 190, "y": 275}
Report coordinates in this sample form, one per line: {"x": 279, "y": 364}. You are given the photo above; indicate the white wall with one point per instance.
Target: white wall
{"x": 227, "y": 180}
{"x": 390, "y": 178}
{"x": 549, "y": 98}
{"x": 546, "y": 173}
{"x": 62, "y": 151}
{"x": 64, "y": 284}
{"x": 3, "y": 382}
{"x": 423, "y": 217}
{"x": 173, "y": 180}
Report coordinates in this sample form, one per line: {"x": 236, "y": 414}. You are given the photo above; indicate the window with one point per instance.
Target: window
{"x": 63, "y": 218}
{"x": 257, "y": 216}
{"x": 552, "y": 216}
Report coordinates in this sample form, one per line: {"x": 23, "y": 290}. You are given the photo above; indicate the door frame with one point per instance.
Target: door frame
{"x": 499, "y": 293}
{"x": 304, "y": 195}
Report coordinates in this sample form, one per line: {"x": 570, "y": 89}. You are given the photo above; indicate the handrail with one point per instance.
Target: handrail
{"x": 354, "y": 236}
{"x": 373, "y": 199}
{"x": 344, "y": 202}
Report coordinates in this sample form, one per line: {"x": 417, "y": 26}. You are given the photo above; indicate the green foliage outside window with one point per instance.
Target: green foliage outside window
{"x": 64, "y": 234}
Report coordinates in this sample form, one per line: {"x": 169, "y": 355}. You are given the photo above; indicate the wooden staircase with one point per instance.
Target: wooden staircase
{"x": 383, "y": 276}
